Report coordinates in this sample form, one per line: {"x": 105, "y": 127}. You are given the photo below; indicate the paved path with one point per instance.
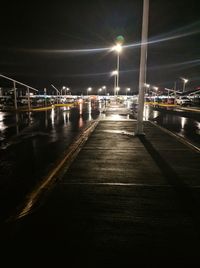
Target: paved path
{"x": 124, "y": 202}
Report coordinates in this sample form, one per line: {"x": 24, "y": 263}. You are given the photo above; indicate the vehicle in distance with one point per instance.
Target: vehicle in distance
{"x": 184, "y": 101}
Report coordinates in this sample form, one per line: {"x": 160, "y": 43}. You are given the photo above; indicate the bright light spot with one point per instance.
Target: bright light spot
{"x": 53, "y": 117}
{"x": 64, "y": 119}
{"x": 81, "y": 107}
{"x": 115, "y": 117}
{"x": 117, "y": 48}
{"x": 2, "y": 125}
{"x": 114, "y": 72}
{"x": 80, "y": 122}
{"x": 185, "y": 80}
{"x": 183, "y": 122}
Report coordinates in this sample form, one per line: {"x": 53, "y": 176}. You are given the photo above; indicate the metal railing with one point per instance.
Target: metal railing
{"x": 15, "y": 90}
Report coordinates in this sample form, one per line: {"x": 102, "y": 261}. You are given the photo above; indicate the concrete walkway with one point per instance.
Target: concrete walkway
{"x": 124, "y": 202}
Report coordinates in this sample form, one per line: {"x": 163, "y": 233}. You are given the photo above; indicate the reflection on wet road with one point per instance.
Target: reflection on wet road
{"x": 30, "y": 143}
{"x": 186, "y": 127}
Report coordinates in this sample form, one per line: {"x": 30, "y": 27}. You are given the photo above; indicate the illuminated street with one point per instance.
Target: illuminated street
{"x": 124, "y": 200}
{"x": 100, "y": 134}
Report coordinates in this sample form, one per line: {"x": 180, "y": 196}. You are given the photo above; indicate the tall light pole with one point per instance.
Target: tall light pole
{"x": 184, "y": 82}
{"x": 100, "y": 90}
{"x": 156, "y": 93}
{"x": 89, "y": 89}
{"x": 127, "y": 90}
{"x": 118, "y": 49}
{"x": 63, "y": 88}
{"x": 143, "y": 66}
{"x": 147, "y": 87}
{"x": 104, "y": 87}
{"x": 114, "y": 73}
{"x": 117, "y": 90}
{"x": 57, "y": 92}
{"x": 45, "y": 96}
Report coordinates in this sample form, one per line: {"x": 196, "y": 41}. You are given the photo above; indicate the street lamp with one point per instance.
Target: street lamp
{"x": 118, "y": 49}
{"x": 184, "y": 82}
{"x": 104, "y": 87}
{"x": 147, "y": 86}
{"x": 67, "y": 90}
{"x": 115, "y": 74}
{"x": 127, "y": 90}
{"x": 89, "y": 89}
{"x": 63, "y": 88}
{"x": 117, "y": 90}
{"x": 100, "y": 90}
{"x": 45, "y": 96}
{"x": 57, "y": 91}
{"x": 156, "y": 89}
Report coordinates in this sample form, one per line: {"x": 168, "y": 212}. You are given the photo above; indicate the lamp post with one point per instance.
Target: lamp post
{"x": 100, "y": 90}
{"x": 63, "y": 88}
{"x": 184, "y": 82}
{"x": 104, "y": 87}
{"x": 117, "y": 90}
{"x": 45, "y": 96}
{"x": 57, "y": 92}
{"x": 118, "y": 49}
{"x": 68, "y": 89}
{"x": 128, "y": 90}
{"x": 156, "y": 93}
{"x": 143, "y": 67}
{"x": 114, "y": 73}
{"x": 147, "y": 86}
{"x": 89, "y": 89}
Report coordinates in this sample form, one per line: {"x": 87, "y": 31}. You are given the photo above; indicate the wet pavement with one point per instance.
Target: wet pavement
{"x": 125, "y": 201}
{"x": 182, "y": 122}
{"x": 30, "y": 146}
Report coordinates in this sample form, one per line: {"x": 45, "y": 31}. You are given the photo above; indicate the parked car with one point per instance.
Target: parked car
{"x": 184, "y": 101}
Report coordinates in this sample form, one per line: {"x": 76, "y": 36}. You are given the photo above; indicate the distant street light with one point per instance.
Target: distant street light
{"x": 100, "y": 90}
{"x": 156, "y": 93}
{"x": 147, "y": 87}
{"x": 63, "y": 88}
{"x": 68, "y": 89}
{"x": 57, "y": 91}
{"x": 114, "y": 73}
{"x": 184, "y": 82}
{"x": 45, "y": 96}
{"x": 104, "y": 87}
{"x": 118, "y": 49}
{"x": 128, "y": 90}
{"x": 89, "y": 89}
{"x": 117, "y": 90}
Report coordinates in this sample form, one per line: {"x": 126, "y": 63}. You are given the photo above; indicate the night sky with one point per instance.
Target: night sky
{"x": 36, "y": 38}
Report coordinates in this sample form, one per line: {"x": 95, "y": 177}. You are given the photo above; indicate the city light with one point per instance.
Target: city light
{"x": 114, "y": 72}
{"x": 117, "y": 48}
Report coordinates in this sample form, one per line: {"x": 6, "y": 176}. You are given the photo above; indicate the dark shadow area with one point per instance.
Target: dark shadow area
{"x": 187, "y": 200}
